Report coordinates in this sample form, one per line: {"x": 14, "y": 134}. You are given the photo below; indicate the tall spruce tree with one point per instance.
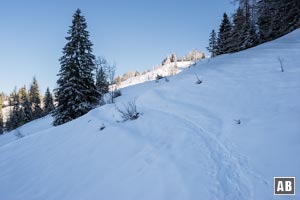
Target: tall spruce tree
{"x": 239, "y": 30}
{"x": 224, "y": 36}
{"x": 249, "y": 36}
{"x": 212, "y": 48}
{"x": 35, "y": 100}
{"x": 253, "y": 38}
{"x": 76, "y": 93}
{"x": 48, "y": 102}
{"x": 16, "y": 114}
{"x": 102, "y": 83}
{"x": 26, "y": 105}
{"x": 266, "y": 12}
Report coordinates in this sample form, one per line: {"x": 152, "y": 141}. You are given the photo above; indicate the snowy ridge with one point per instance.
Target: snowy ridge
{"x": 164, "y": 70}
{"x": 186, "y": 145}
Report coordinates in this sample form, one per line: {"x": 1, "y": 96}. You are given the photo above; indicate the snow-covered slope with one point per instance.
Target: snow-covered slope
{"x": 26, "y": 130}
{"x": 186, "y": 144}
{"x": 164, "y": 70}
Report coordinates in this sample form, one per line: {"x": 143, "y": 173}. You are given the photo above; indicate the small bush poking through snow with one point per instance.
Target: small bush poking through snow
{"x": 158, "y": 77}
{"x": 199, "y": 81}
{"x": 102, "y": 127}
{"x": 129, "y": 111}
{"x": 237, "y": 121}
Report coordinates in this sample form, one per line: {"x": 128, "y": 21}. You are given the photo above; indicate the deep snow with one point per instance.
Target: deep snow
{"x": 186, "y": 144}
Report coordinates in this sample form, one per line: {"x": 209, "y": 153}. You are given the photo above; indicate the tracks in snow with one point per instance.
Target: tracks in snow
{"x": 227, "y": 169}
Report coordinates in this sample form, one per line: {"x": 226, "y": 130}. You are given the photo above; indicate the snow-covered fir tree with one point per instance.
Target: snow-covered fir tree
{"x": 242, "y": 33}
{"x": 212, "y": 47}
{"x": 252, "y": 39}
{"x": 101, "y": 81}
{"x": 35, "y": 100}
{"x": 238, "y": 30}
{"x": 16, "y": 117}
{"x": 265, "y": 10}
{"x": 26, "y": 105}
{"x": 48, "y": 102}
{"x": 224, "y": 36}
{"x": 76, "y": 93}
{"x": 249, "y": 34}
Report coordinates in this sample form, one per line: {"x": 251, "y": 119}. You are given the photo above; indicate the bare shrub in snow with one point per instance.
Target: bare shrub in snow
{"x": 281, "y": 60}
{"x": 237, "y": 121}
{"x": 129, "y": 111}
{"x": 102, "y": 127}
{"x": 199, "y": 81}
{"x": 158, "y": 77}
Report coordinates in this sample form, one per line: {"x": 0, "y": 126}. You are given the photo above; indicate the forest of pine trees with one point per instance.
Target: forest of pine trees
{"x": 79, "y": 89}
{"x": 26, "y": 106}
{"x": 254, "y": 23}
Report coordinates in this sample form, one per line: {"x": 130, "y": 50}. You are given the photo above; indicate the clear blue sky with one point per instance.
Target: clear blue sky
{"x": 135, "y": 34}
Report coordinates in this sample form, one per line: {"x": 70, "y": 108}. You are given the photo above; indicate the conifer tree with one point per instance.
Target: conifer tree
{"x": 16, "y": 115}
{"x": 265, "y": 19}
{"x": 26, "y": 105}
{"x": 244, "y": 30}
{"x": 35, "y": 100}
{"x": 101, "y": 81}
{"x": 253, "y": 38}
{"x": 224, "y": 36}
{"x": 249, "y": 36}
{"x": 14, "y": 97}
{"x": 76, "y": 93}
{"x": 48, "y": 102}
{"x": 212, "y": 48}
{"x": 239, "y": 30}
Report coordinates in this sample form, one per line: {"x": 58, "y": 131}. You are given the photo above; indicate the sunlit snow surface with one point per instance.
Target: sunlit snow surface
{"x": 186, "y": 143}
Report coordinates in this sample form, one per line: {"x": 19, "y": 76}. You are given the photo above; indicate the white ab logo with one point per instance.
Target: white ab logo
{"x": 284, "y": 185}
{"x": 288, "y": 186}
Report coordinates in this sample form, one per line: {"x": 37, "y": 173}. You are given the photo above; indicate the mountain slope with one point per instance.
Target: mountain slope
{"x": 186, "y": 143}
